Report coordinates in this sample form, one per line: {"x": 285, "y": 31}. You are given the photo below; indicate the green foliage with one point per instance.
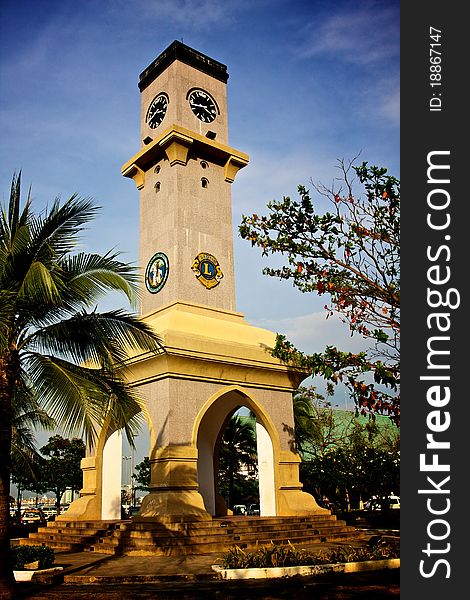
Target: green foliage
{"x": 342, "y": 475}
{"x": 142, "y": 475}
{"x": 62, "y": 468}
{"x": 59, "y": 354}
{"x": 345, "y": 457}
{"x": 237, "y": 451}
{"x": 380, "y": 549}
{"x": 55, "y": 348}
{"x": 28, "y": 475}
{"x": 280, "y": 555}
{"x": 352, "y": 255}
{"x": 274, "y": 555}
{"x": 23, "y": 555}
{"x": 314, "y": 424}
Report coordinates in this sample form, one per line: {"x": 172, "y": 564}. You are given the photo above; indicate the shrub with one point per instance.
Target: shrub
{"x": 23, "y": 555}
{"x": 278, "y": 555}
{"x": 275, "y": 555}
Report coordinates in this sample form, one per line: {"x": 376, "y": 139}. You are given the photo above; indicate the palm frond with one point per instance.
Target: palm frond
{"x": 40, "y": 284}
{"x": 56, "y": 232}
{"x": 24, "y": 457}
{"x": 14, "y": 236}
{"x": 80, "y": 399}
{"x": 64, "y": 354}
{"x": 99, "y": 338}
{"x": 91, "y": 275}
{"x": 32, "y": 419}
{"x": 14, "y": 203}
{"x": 7, "y": 314}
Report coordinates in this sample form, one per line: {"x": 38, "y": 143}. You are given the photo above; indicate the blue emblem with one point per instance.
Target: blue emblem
{"x": 156, "y": 273}
{"x": 207, "y": 270}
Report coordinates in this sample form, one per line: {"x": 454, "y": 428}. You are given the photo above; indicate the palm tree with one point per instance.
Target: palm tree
{"x": 237, "y": 449}
{"x": 25, "y": 459}
{"x": 56, "y": 349}
{"x": 311, "y": 415}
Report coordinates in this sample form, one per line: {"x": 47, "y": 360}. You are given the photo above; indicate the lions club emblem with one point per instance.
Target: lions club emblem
{"x": 156, "y": 273}
{"x": 207, "y": 270}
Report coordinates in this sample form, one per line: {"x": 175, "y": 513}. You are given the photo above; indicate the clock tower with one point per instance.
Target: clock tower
{"x": 214, "y": 362}
{"x": 184, "y": 171}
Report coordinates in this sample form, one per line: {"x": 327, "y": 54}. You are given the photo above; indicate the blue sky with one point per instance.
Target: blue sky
{"x": 310, "y": 82}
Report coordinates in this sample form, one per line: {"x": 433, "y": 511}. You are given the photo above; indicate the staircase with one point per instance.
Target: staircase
{"x": 70, "y": 535}
{"x": 142, "y": 538}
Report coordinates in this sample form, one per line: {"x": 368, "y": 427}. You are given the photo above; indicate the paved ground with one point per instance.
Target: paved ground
{"x": 367, "y": 586}
{"x": 101, "y": 577}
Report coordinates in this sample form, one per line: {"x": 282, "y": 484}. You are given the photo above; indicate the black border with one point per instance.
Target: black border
{"x": 423, "y": 131}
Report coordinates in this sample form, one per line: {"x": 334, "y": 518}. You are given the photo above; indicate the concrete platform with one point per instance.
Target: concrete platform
{"x": 91, "y": 568}
{"x": 166, "y": 537}
{"x": 98, "y": 577}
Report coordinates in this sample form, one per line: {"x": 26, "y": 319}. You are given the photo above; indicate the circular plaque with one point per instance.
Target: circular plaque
{"x": 156, "y": 273}
{"x": 207, "y": 270}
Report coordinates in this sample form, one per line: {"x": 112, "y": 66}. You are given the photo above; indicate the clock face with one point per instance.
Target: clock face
{"x": 202, "y": 105}
{"x": 157, "y": 110}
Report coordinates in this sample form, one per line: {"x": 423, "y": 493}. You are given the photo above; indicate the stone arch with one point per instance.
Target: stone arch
{"x": 91, "y": 502}
{"x": 208, "y": 429}
{"x": 100, "y": 496}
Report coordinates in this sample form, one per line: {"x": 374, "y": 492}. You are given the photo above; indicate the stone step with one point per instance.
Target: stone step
{"x": 209, "y": 548}
{"x": 65, "y": 539}
{"x": 47, "y": 531}
{"x": 224, "y": 522}
{"x": 202, "y": 528}
{"x": 239, "y": 528}
{"x": 136, "y": 541}
{"x": 167, "y": 523}
{"x": 55, "y": 544}
{"x": 204, "y": 534}
{"x": 84, "y": 526}
{"x": 159, "y": 534}
{"x": 157, "y": 537}
{"x": 178, "y": 523}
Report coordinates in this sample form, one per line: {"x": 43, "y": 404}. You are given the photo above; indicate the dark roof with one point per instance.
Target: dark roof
{"x": 179, "y": 51}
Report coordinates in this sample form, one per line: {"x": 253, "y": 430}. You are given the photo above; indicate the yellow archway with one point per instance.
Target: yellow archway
{"x": 207, "y": 432}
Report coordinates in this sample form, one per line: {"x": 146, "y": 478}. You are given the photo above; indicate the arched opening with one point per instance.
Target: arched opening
{"x": 209, "y": 430}
{"x": 111, "y": 477}
{"x": 236, "y": 463}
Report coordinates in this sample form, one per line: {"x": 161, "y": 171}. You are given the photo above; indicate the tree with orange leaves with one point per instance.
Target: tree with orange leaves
{"x": 351, "y": 254}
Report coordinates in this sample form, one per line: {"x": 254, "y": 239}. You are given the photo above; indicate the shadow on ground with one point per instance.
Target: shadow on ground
{"x": 377, "y": 585}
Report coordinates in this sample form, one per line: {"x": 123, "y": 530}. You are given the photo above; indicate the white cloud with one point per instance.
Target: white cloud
{"x": 313, "y": 332}
{"x": 272, "y": 174}
{"x": 364, "y": 35}
{"x": 197, "y": 13}
{"x": 389, "y": 107}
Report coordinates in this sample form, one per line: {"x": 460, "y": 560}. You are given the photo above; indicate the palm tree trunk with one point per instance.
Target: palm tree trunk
{"x": 7, "y": 581}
